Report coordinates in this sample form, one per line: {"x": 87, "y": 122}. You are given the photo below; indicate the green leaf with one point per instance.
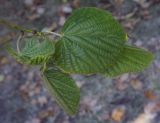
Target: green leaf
{"x": 132, "y": 59}
{"x": 92, "y": 39}
{"x": 34, "y": 51}
{"x": 63, "y": 88}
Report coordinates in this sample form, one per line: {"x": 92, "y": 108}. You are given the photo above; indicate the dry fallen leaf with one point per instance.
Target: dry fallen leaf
{"x": 76, "y": 3}
{"x": 46, "y": 113}
{"x": 130, "y": 23}
{"x": 150, "y": 94}
{"x": 118, "y": 114}
{"x": 147, "y": 116}
{"x": 117, "y": 3}
{"x": 143, "y": 3}
{"x": 4, "y": 61}
{"x": 143, "y": 118}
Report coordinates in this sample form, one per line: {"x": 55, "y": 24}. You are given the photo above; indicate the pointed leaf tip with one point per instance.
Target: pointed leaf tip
{"x": 63, "y": 88}
{"x": 132, "y": 59}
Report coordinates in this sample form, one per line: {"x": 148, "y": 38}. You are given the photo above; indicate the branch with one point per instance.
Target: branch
{"x": 20, "y": 28}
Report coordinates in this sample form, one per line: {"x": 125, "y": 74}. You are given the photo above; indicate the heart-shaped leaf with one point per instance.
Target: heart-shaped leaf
{"x": 63, "y": 88}
{"x": 132, "y": 59}
{"x": 91, "y": 40}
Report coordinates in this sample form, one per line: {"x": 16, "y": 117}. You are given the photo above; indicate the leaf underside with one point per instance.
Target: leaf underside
{"x": 132, "y": 59}
{"x": 92, "y": 40}
{"x": 63, "y": 88}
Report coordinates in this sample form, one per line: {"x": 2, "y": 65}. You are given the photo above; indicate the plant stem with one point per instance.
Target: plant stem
{"x": 14, "y": 26}
{"x": 20, "y": 28}
{"x": 18, "y": 41}
{"x": 54, "y": 33}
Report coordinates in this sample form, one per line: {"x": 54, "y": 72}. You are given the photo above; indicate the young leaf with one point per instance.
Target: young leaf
{"x": 92, "y": 39}
{"x": 63, "y": 88}
{"x": 132, "y": 59}
{"x": 35, "y": 52}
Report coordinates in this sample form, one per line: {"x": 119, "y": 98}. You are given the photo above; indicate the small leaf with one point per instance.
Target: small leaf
{"x": 92, "y": 39}
{"x": 150, "y": 94}
{"x": 132, "y": 59}
{"x": 34, "y": 51}
{"x": 63, "y": 88}
{"x": 37, "y": 52}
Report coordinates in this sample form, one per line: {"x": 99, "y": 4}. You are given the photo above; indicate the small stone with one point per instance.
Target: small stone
{"x": 138, "y": 43}
{"x": 124, "y": 77}
{"x": 23, "y": 87}
{"x": 147, "y": 116}
{"x": 30, "y": 75}
{"x": 4, "y": 61}
{"x": 1, "y": 78}
{"x": 80, "y": 83}
{"x": 121, "y": 83}
{"x": 62, "y": 20}
{"x": 31, "y": 93}
{"x": 67, "y": 9}
{"x": 46, "y": 113}
{"x": 136, "y": 84}
{"x": 34, "y": 102}
{"x": 32, "y": 86}
{"x": 66, "y": 121}
{"x": 42, "y": 100}
{"x": 37, "y": 90}
{"x": 103, "y": 117}
{"x": 40, "y": 11}
{"x": 35, "y": 120}
{"x": 28, "y": 2}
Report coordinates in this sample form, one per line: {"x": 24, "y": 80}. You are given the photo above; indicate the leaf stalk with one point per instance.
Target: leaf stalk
{"x": 23, "y": 29}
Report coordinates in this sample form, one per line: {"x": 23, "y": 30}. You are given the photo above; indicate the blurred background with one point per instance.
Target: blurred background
{"x": 129, "y": 98}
